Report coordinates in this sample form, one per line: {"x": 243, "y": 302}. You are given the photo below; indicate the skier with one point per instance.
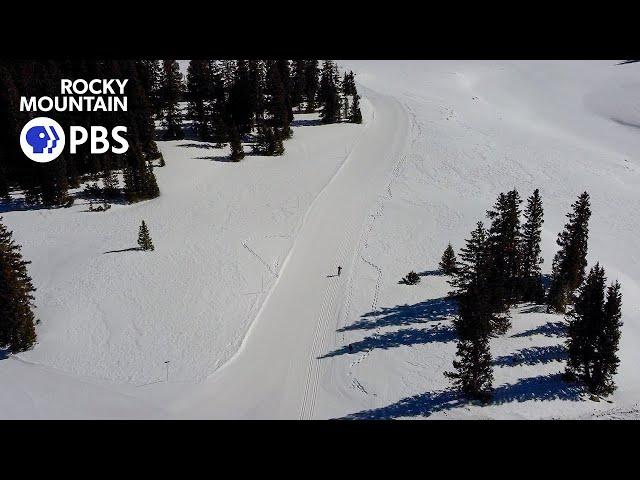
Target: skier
{"x": 339, "y": 270}
{"x": 350, "y": 348}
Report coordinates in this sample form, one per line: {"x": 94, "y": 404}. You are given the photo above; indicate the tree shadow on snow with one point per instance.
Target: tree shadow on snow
{"x": 406, "y": 337}
{"x": 540, "y": 388}
{"x": 431, "y": 273}
{"x": 549, "y": 329}
{"x": 306, "y": 123}
{"x": 533, "y": 356}
{"x": 422, "y": 312}
{"x": 132, "y": 249}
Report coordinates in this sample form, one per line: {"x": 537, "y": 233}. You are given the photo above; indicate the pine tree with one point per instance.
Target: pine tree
{"x": 472, "y": 268}
{"x": 199, "y": 92}
{"x": 570, "y": 261}
{"x": 237, "y": 152}
{"x": 139, "y": 179}
{"x": 607, "y": 362}
{"x": 170, "y": 93}
{"x": 240, "y": 97}
{"x": 593, "y": 332}
{"x": 532, "y": 289}
{"x": 473, "y": 372}
{"x": 17, "y": 330}
{"x": 448, "y": 263}
{"x": 503, "y": 244}
{"x": 328, "y": 94}
{"x": 311, "y": 84}
{"x": 144, "y": 238}
{"x": 277, "y": 103}
{"x": 355, "y": 115}
{"x": 298, "y": 86}
{"x": 269, "y": 141}
{"x": 149, "y": 72}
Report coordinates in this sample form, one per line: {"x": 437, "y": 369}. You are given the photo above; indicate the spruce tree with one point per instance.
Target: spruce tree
{"x": 472, "y": 268}
{"x": 607, "y": 362}
{"x": 237, "y": 152}
{"x": 199, "y": 93}
{"x": 139, "y": 179}
{"x": 269, "y": 141}
{"x": 311, "y": 84}
{"x": 328, "y": 94}
{"x": 593, "y": 332}
{"x": 17, "y": 330}
{"x": 532, "y": 289}
{"x": 448, "y": 263}
{"x": 298, "y": 86}
{"x": 355, "y": 115}
{"x": 277, "y": 102}
{"x": 170, "y": 93}
{"x": 240, "y": 98}
{"x": 144, "y": 238}
{"x": 473, "y": 371}
{"x": 570, "y": 261}
{"x": 503, "y": 244}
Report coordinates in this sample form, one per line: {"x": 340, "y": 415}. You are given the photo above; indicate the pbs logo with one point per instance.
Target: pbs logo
{"x": 42, "y": 139}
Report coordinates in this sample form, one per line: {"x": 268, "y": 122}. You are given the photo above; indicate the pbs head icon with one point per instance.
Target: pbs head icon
{"x": 42, "y": 139}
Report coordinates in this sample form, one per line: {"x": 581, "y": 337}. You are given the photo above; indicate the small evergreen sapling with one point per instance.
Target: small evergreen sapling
{"x": 412, "y": 278}
{"x": 448, "y": 263}
{"x": 144, "y": 238}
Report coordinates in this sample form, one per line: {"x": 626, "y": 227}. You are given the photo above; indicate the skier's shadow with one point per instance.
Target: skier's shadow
{"x": 132, "y": 249}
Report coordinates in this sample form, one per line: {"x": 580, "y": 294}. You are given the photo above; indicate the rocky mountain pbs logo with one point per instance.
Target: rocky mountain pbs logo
{"x": 43, "y": 139}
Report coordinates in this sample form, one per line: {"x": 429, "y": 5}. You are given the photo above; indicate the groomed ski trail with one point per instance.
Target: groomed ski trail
{"x": 276, "y": 372}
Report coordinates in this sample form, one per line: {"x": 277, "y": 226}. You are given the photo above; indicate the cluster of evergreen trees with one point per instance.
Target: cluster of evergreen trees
{"x": 231, "y": 100}
{"x": 228, "y": 101}
{"x": 48, "y": 184}
{"x": 500, "y": 266}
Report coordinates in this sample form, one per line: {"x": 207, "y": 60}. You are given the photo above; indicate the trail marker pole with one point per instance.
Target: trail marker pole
{"x": 167, "y": 364}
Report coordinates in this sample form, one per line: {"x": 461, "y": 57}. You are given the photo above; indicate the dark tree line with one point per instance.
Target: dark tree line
{"x": 500, "y": 266}
{"x": 17, "y": 329}
{"x": 48, "y": 184}
{"x": 229, "y": 101}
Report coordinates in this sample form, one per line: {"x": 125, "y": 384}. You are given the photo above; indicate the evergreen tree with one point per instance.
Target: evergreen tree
{"x": 269, "y": 141}
{"x": 532, "y": 289}
{"x": 277, "y": 104}
{"x": 448, "y": 263}
{"x": 144, "y": 238}
{"x": 311, "y": 84}
{"x": 149, "y": 72}
{"x": 607, "y": 362}
{"x": 199, "y": 91}
{"x": 355, "y": 115}
{"x": 473, "y": 372}
{"x": 17, "y": 330}
{"x": 298, "y": 86}
{"x": 503, "y": 244}
{"x": 219, "y": 116}
{"x": 240, "y": 98}
{"x": 570, "y": 261}
{"x": 594, "y": 332}
{"x": 237, "y": 152}
{"x": 472, "y": 268}
{"x": 139, "y": 179}
{"x": 328, "y": 94}
{"x": 170, "y": 93}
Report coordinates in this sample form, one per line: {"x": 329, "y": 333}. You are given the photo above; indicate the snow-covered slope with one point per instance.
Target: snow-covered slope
{"x": 239, "y": 296}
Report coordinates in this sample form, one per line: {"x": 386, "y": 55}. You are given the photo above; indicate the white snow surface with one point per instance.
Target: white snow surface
{"x": 241, "y": 297}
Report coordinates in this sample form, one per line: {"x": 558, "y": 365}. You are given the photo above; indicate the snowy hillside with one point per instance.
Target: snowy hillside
{"x": 241, "y": 296}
